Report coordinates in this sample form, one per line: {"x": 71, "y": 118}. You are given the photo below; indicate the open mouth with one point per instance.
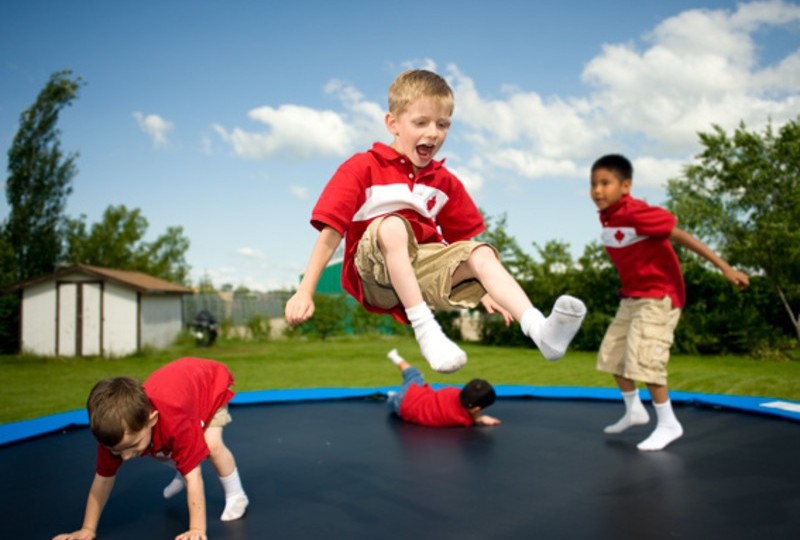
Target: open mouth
{"x": 425, "y": 151}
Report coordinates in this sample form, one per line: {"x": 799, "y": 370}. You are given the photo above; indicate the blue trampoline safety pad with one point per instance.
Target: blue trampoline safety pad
{"x": 19, "y": 431}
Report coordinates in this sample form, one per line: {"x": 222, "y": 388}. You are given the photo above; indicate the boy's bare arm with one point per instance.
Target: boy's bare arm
{"x": 196, "y": 499}
{"x": 486, "y": 420}
{"x": 98, "y": 496}
{"x": 300, "y": 306}
{"x": 690, "y": 242}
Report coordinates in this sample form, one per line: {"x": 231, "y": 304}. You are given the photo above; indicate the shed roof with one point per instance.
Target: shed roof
{"x": 139, "y": 281}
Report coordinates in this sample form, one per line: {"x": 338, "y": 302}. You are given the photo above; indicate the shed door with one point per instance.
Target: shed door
{"x": 79, "y": 319}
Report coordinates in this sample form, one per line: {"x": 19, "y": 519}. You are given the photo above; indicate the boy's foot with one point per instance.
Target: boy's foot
{"x": 174, "y": 487}
{"x": 235, "y": 507}
{"x": 634, "y": 417}
{"x": 394, "y": 356}
{"x": 442, "y": 354}
{"x": 560, "y": 327}
{"x": 661, "y": 437}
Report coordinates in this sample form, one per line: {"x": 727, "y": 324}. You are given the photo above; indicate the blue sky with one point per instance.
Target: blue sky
{"x": 227, "y": 118}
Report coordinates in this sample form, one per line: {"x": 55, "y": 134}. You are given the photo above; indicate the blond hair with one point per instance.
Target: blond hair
{"x": 416, "y": 83}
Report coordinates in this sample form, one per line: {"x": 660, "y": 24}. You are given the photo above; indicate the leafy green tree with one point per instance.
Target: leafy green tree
{"x": 743, "y": 194}
{"x": 118, "y": 242}
{"x": 39, "y": 181}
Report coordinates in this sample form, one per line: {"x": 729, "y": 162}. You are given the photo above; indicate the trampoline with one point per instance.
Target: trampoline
{"x": 333, "y": 463}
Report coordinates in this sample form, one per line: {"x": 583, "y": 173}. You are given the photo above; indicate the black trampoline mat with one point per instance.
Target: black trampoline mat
{"x": 347, "y": 469}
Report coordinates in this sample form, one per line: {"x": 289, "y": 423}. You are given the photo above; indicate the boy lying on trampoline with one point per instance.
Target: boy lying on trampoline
{"x": 177, "y": 414}
{"x": 416, "y": 402}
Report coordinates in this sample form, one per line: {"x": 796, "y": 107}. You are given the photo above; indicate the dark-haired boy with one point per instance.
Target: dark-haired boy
{"x": 177, "y": 415}
{"x": 416, "y": 402}
{"x": 636, "y": 345}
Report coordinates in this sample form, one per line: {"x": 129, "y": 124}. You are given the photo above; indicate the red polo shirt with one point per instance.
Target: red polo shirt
{"x": 186, "y": 393}
{"x": 381, "y": 181}
{"x": 637, "y": 238}
{"x": 436, "y": 408}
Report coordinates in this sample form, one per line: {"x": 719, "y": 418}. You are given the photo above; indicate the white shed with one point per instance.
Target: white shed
{"x": 87, "y": 310}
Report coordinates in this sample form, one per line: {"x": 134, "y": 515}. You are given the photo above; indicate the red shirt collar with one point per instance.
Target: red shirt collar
{"x": 606, "y": 213}
{"x": 390, "y": 154}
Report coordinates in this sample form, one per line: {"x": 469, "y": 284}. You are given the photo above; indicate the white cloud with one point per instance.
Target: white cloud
{"x": 155, "y": 126}
{"x": 251, "y": 253}
{"x": 647, "y": 98}
{"x": 700, "y": 68}
{"x": 296, "y": 131}
{"x": 300, "y": 192}
{"x": 650, "y": 171}
{"x": 293, "y": 131}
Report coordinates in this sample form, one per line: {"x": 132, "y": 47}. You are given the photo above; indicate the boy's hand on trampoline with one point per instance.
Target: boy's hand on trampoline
{"x": 493, "y": 307}
{"x": 299, "y": 308}
{"x": 83, "y": 534}
{"x": 486, "y": 420}
{"x": 192, "y": 535}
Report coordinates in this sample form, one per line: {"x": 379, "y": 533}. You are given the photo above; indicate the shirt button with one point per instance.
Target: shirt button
{"x": 411, "y": 175}
{"x": 403, "y": 161}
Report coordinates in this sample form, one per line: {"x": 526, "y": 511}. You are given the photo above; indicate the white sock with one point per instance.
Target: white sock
{"x": 175, "y": 486}
{"x": 554, "y": 334}
{"x": 442, "y": 354}
{"x": 235, "y": 498}
{"x": 667, "y": 430}
{"x": 395, "y": 357}
{"x": 635, "y": 413}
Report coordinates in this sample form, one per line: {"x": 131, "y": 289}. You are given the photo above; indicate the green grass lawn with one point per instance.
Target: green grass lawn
{"x": 35, "y": 387}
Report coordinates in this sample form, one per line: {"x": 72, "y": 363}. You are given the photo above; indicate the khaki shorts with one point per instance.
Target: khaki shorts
{"x": 433, "y": 264}
{"x": 636, "y": 345}
{"x": 221, "y": 418}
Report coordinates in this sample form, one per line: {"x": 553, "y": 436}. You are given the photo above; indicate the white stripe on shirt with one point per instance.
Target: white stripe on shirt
{"x": 619, "y": 237}
{"x": 388, "y": 198}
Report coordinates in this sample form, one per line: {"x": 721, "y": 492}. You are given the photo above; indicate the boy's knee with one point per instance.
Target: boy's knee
{"x": 483, "y": 254}
{"x": 392, "y": 226}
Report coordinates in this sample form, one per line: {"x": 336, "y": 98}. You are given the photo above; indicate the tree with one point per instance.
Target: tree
{"x": 39, "y": 182}
{"x": 744, "y": 194}
{"x": 117, "y": 242}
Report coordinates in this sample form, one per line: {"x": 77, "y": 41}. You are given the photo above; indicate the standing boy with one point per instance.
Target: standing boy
{"x": 178, "y": 415}
{"x": 407, "y": 223}
{"x": 636, "y": 345}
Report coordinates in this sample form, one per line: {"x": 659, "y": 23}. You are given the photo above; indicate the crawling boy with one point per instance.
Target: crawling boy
{"x": 177, "y": 414}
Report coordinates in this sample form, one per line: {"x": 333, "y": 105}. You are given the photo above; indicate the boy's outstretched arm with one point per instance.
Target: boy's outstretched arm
{"x": 98, "y": 496}
{"x": 486, "y": 420}
{"x": 690, "y": 242}
{"x": 300, "y": 306}
{"x": 196, "y": 499}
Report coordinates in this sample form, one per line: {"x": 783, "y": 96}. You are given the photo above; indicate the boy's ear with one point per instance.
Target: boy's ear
{"x": 391, "y": 123}
{"x": 626, "y": 186}
{"x": 153, "y": 418}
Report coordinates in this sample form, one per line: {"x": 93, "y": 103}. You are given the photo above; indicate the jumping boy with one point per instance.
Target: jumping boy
{"x": 636, "y": 345}
{"x": 416, "y": 402}
{"x": 407, "y": 223}
{"x": 177, "y": 414}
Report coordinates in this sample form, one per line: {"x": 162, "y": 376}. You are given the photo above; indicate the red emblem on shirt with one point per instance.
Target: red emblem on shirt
{"x": 431, "y": 203}
{"x": 619, "y": 236}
